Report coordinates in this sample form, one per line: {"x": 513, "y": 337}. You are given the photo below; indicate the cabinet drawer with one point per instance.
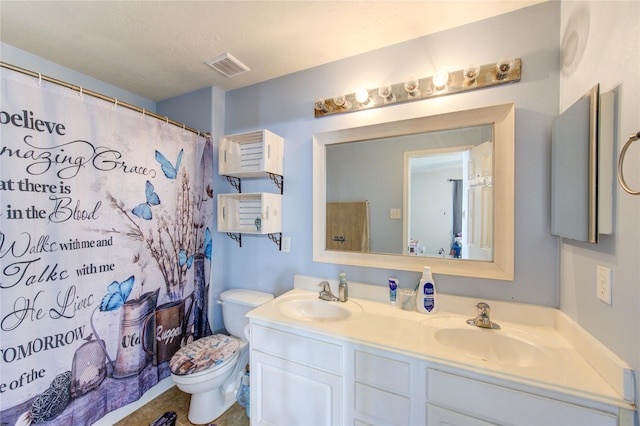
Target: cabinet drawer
{"x": 380, "y": 405}
{"x": 386, "y": 373}
{"x": 293, "y": 347}
{"x": 438, "y": 416}
{"x": 504, "y": 405}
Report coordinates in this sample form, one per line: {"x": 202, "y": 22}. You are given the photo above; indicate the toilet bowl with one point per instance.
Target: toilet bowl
{"x": 210, "y": 368}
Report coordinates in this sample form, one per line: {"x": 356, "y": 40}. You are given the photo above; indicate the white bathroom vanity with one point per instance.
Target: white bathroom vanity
{"x": 365, "y": 362}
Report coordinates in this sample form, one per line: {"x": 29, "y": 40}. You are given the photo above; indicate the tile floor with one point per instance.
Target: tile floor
{"x": 176, "y": 400}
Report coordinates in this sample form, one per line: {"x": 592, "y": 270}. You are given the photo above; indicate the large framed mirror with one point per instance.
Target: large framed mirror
{"x": 430, "y": 191}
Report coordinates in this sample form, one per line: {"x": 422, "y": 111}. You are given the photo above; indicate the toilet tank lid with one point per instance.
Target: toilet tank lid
{"x": 246, "y": 297}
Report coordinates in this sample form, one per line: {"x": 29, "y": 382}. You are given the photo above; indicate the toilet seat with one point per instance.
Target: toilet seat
{"x": 205, "y": 355}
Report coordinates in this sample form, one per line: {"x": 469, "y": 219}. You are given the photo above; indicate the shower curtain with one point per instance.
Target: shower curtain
{"x": 105, "y": 248}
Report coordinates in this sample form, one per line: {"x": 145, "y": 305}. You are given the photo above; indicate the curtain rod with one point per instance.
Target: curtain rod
{"x": 83, "y": 91}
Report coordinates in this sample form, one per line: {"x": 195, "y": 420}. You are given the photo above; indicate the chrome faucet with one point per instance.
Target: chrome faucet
{"x": 482, "y": 320}
{"x": 325, "y": 292}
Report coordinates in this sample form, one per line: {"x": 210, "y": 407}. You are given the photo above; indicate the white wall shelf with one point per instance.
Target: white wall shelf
{"x": 257, "y": 154}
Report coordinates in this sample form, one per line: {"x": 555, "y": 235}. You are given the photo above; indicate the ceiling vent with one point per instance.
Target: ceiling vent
{"x": 227, "y": 65}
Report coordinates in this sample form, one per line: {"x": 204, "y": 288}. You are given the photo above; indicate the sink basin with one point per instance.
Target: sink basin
{"x": 509, "y": 346}
{"x": 310, "y": 308}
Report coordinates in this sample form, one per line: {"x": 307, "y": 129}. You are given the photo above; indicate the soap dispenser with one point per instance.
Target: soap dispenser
{"x": 343, "y": 289}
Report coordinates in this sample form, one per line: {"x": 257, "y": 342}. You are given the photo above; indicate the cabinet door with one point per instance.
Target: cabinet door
{"x": 287, "y": 393}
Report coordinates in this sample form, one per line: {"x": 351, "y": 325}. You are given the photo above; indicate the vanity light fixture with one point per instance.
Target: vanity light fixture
{"x": 474, "y": 76}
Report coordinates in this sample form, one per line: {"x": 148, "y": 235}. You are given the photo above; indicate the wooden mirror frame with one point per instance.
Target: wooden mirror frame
{"x": 502, "y": 118}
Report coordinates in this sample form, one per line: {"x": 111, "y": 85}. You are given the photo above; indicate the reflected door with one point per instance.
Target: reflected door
{"x": 478, "y": 242}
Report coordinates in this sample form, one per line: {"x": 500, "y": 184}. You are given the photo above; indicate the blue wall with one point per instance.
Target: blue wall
{"x": 285, "y": 106}
{"x": 194, "y": 109}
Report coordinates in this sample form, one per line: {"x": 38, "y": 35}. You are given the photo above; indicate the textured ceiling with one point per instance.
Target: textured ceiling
{"x": 158, "y": 49}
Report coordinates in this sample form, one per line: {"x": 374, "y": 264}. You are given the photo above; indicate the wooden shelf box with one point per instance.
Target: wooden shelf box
{"x": 250, "y": 155}
{"x": 237, "y": 213}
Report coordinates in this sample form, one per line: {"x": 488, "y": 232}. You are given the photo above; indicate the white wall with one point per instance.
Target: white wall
{"x": 434, "y": 206}
{"x": 601, "y": 44}
{"x": 285, "y": 106}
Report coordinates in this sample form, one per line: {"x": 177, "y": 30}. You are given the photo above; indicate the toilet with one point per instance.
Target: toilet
{"x": 210, "y": 368}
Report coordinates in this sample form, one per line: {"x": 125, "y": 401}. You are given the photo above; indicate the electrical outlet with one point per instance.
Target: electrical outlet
{"x": 395, "y": 214}
{"x": 603, "y": 284}
{"x": 285, "y": 244}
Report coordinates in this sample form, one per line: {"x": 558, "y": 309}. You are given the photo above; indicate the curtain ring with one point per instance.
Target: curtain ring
{"x": 623, "y": 183}
{"x": 143, "y": 111}
{"x": 39, "y": 80}
{"x": 81, "y": 94}
{"x": 115, "y": 105}
{"x": 167, "y": 119}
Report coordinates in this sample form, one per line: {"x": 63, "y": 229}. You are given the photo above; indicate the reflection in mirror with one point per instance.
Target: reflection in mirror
{"x": 417, "y": 197}
{"x": 447, "y": 193}
{"x": 433, "y": 184}
{"x": 419, "y": 192}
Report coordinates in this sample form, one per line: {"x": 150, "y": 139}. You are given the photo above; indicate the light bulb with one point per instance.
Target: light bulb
{"x": 411, "y": 86}
{"x": 362, "y": 96}
{"x": 385, "y": 92}
{"x": 440, "y": 80}
{"x": 503, "y": 66}
{"x": 320, "y": 105}
{"x": 340, "y": 101}
{"x": 471, "y": 73}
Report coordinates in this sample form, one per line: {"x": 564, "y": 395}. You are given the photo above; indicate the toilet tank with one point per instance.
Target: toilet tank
{"x": 236, "y": 304}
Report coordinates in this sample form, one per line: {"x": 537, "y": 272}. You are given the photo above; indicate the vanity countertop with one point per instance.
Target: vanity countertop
{"x": 557, "y": 366}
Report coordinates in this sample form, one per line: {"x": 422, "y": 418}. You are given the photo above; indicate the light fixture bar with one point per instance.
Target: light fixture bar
{"x": 489, "y": 75}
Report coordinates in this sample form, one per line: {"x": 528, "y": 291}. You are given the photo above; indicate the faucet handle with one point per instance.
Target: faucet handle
{"x": 483, "y": 309}
{"x": 325, "y": 286}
